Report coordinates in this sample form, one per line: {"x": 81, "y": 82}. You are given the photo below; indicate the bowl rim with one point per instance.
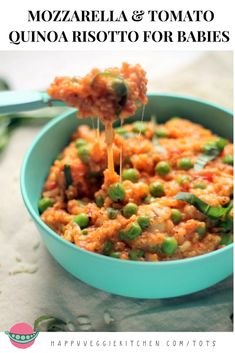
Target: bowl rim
{"x": 72, "y": 246}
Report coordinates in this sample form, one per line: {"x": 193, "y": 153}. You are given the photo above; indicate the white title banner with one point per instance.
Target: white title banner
{"x": 167, "y": 25}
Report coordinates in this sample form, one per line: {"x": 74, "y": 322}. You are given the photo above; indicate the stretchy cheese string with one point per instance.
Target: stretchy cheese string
{"x": 121, "y": 153}
{"x": 98, "y": 129}
{"x": 109, "y": 133}
{"x": 142, "y": 116}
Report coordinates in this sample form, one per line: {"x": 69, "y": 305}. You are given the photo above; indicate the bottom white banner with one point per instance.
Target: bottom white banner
{"x": 121, "y": 342}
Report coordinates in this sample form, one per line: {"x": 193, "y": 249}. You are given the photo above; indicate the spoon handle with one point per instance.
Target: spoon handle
{"x": 19, "y": 101}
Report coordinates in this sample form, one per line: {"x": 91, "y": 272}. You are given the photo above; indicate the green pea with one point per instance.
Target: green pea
{"x": 143, "y": 221}
{"x": 226, "y": 239}
{"x": 116, "y": 192}
{"x": 139, "y": 127}
{"x": 82, "y": 220}
{"x": 201, "y": 231}
{"x": 221, "y": 143}
{"x": 115, "y": 254}
{"x": 157, "y": 189}
{"x": 182, "y": 179}
{"x": 112, "y": 213}
{"x": 99, "y": 200}
{"x": 119, "y": 86}
{"x": 84, "y": 232}
{"x": 133, "y": 231}
{"x": 121, "y": 131}
{"x": 44, "y": 203}
{"x": 107, "y": 248}
{"x": 162, "y": 168}
{"x": 212, "y": 146}
{"x": 84, "y": 153}
{"x": 169, "y": 246}
{"x": 122, "y": 235}
{"x": 185, "y": 163}
{"x": 161, "y": 133}
{"x": 135, "y": 254}
{"x": 131, "y": 174}
{"x": 176, "y": 216}
{"x": 200, "y": 185}
{"x": 130, "y": 209}
{"x": 228, "y": 159}
{"x": 148, "y": 199}
{"x": 80, "y": 142}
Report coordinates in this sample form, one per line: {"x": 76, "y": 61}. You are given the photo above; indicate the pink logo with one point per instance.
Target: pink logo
{"x": 22, "y": 335}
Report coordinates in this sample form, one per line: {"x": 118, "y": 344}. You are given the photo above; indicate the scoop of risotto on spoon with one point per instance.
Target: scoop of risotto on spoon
{"x": 109, "y": 95}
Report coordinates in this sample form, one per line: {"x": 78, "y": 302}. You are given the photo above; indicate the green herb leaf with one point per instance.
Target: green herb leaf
{"x": 4, "y": 85}
{"x": 47, "y": 323}
{"x": 203, "y": 159}
{"x": 209, "y": 211}
{"x": 212, "y": 149}
{"x": 226, "y": 224}
{"x": 226, "y": 238}
{"x": 68, "y": 176}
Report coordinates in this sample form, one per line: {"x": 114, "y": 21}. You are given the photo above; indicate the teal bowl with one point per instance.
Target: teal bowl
{"x": 127, "y": 278}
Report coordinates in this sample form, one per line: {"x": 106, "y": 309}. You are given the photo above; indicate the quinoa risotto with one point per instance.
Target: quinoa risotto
{"x": 172, "y": 199}
{"x": 113, "y": 94}
{"x": 110, "y": 94}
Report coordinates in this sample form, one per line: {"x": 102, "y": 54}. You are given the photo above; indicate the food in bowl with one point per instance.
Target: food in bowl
{"x": 105, "y": 272}
{"x": 172, "y": 199}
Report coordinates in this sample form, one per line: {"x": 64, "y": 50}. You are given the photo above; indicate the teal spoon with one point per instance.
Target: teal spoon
{"x": 20, "y": 101}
